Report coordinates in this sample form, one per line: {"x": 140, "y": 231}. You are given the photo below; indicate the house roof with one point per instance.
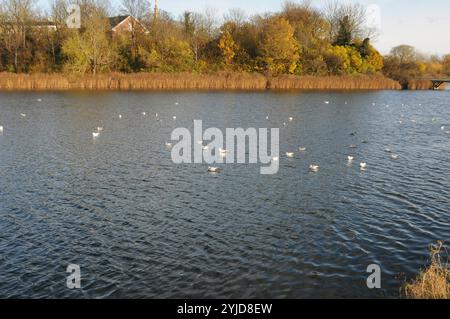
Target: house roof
{"x": 114, "y": 21}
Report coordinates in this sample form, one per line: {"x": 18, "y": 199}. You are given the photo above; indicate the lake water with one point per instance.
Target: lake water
{"x": 140, "y": 226}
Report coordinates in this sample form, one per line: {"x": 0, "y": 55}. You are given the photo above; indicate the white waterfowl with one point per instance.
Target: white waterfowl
{"x": 200, "y": 142}
{"x": 177, "y": 103}
{"x": 156, "y": 114}
{"x": 174, "y": 118}
{"x": 23, "y": 115}
{"x": 388, "y": 150}
{"x": 1, "y": 129}
{"x": 302, "y": 149}
{"x": 144, "y": 113}
{"x": 350, "y": 158}
{"x": 213, "y": 169}
{"x": 363, "y": 165}
{"x": 290, "y": 154}
{"x": 205, "y": 147}
{"x": 99, "y": 129}
{"x": 95, "y": 134}
{"x": 314, "y": 168}
{"x": 39, "y": 100}
{"x": 120, "y": 116}
{"x": 267, "y": 117}
{"x": 223, "y": 151}
{"x": 284, "y": 124}
{"x": 395, "y": 157}
{"x": 327, "y": 102}
{"x": 291, "y": 119}
{"x": 168, "y": 144}
{"x": 275, "y": 159}
{"x": 442, "y": 128}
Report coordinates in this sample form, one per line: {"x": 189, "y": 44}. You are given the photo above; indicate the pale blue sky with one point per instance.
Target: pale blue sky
{"x": 424, "y": 24}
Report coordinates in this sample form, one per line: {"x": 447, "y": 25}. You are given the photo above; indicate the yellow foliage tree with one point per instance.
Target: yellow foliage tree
{"x": 279, "y": 50}
{"x": 227, "y": 47}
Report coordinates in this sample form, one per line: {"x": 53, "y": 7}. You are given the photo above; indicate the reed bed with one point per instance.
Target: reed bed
{"x": 420, "y": 85}
{"x": 357, "y": 82}
{"x": 434, "y": 281}
{"x": 190, "y": 81}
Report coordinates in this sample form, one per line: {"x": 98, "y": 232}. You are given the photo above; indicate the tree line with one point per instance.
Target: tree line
{"x": 298, "y": 40}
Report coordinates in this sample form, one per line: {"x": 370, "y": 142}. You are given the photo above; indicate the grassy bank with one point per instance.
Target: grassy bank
{"x": 434, "y": 281}
{"x": 189, "y": 81}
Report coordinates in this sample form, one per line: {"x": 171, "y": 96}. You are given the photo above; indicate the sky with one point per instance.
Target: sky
{"x": 425, "y": 24}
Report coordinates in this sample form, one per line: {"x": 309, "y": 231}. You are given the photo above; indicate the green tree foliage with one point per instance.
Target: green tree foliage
{"x": 90, "y": 50}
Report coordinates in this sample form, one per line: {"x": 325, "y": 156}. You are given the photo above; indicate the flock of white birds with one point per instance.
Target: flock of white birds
{"x": 313, "y": 167}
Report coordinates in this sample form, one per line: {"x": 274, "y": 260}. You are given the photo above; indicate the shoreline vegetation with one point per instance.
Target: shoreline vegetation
{"x": 433, "y": 282}
{"x": 192, "y": 81}
{"x": 129, "y": 46}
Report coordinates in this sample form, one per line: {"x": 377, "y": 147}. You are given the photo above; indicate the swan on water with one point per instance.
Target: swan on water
{"x": 213, "y": 169}
{"x": 314, "y": 168}
{"x": 302, "y": 149}
{"x": 1, "y": 129}
{"x": 363, "y": 165}
{"x": 350, "y": 158}
{"x": 95, "y": 134}
{"x": 290, "y": 154}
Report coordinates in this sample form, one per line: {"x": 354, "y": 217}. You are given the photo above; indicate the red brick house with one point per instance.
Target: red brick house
{"x": 126, "y": 24}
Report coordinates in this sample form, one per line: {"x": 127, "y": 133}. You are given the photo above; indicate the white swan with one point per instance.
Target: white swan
{"x": 99, "y": 129}
{"x": 267, "y": 117}
{"x": 144, "y": 114}
{"x": 395, "y": 156}
{"x": 1, "y": 129}
{"x": 302, "y": 149}
{"x": 327, "y": 102}
{"x": 120, "y": 116}
{"x": 168, "y": 144}
{"x": 314, "y": 168}
{"x": 290, "y": 154}
{"x": 95, "y": 134}
{"x": 223, "y": 151}
{"x": 291, "y": 119}
{"x": 350, "y": 158}
{"x": 363, "y": 165}
{"x": 442, "y": 128}
{"x": 206, "y": 147}
{"x": 275, "y": 159}
{"x": 23, "y": 115}
{"x": 213, "y": 169}
{"x": 174, "y": 118}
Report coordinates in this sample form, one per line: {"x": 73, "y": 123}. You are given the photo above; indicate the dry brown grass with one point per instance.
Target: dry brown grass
{"x": 190, "y": 81}
{"x": 355, "y": 82}
{"x": 420, "y": 85}
{"x": 434, "y": 281}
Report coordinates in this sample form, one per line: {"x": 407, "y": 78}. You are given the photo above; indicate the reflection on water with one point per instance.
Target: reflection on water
{"x": 140, "y": 226}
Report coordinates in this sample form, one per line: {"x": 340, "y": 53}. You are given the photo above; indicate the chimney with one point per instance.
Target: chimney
{"x": 155, "y": 14}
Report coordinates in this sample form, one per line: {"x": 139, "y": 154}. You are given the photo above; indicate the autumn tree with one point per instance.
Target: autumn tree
{"x": 90, "y": 50}
{"x": 278, "y": 50}
{"x": 227, "y": 47}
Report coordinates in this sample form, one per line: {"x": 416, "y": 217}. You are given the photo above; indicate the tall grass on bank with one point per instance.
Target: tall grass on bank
{"x": 356, "y": 82}
{"x": 434, "y": 281}
{"x": 190, "y": 81}
{"x": 420, "y": 85}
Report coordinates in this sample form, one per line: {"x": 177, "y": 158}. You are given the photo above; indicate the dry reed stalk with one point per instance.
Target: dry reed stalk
{"x": 434, "y": 281}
